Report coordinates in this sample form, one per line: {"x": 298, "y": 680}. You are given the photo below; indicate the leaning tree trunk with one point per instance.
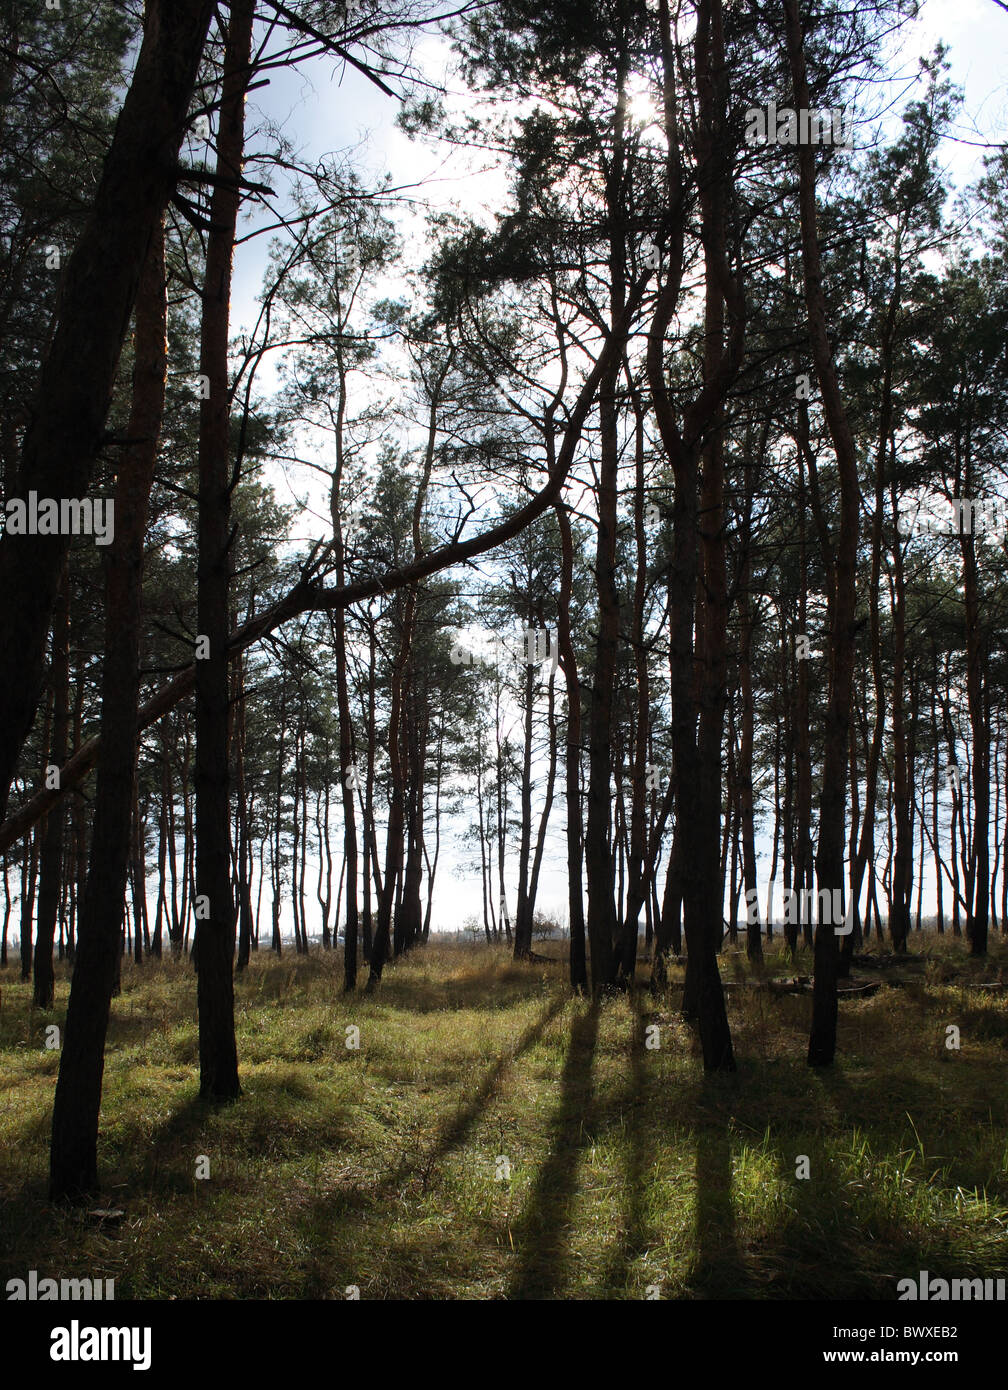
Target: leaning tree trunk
{"x": 547, "y": 807}
{"x": 668, "y": 936}
{"x": 74, "y": 1159}
{"x": 75, "y": 388}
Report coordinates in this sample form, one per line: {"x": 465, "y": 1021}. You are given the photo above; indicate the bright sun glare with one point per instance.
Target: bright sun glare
{"x": 641, "y": 106}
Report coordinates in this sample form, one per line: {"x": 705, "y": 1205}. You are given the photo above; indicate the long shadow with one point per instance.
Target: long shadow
{"x": 452, "y": 1133}
{"x": 841, "y": 1238}
{"x": 915, "y": 1103}
{"x": 456, "y": 1130}
{"x": 719, "y": 1268}
{"x": 153, "y": 1165}
{"x": 152, "y": 1161}
{"x": 635, "y": 1236}
{"x": 541, "y": 1243}
{"x": 497, "y": 986}
{"x": 818, "y": 1250}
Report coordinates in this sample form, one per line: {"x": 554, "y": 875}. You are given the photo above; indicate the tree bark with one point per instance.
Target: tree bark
{"x": 215, "y": 931}
{"x": 572, "y": 759}
{"x": 51, "y": 857}
{"x": 100, "y": 284}
{"x": 602, "y": 917}
{"x": 833, "y": 797}
{"x": 73, "y": 1170}
{"x": 697, "y": 809}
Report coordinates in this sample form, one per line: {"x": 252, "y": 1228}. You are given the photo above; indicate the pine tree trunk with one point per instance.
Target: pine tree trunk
{"x": 754, "y": 938}
{"x": 433, "y": 864}
{"x": 78, "y": 836}
{"x": 370, "y": 837}
{"x": 842, "y": 597}
{"x": 296, "y": 908}
{"x": 215, "y": 931}
{"x": 161, "y": 911}
{"x": 276, "y": 944}
{"x": 52, "y": 858}
{"x": 902, "y": 879}
{"x": 244, "y": 834}
{"x": 6, "y": 916}
{"x": 523, "y": 908}
{"x": 802, "y": 856}
{"x": 416, "y": 730}
{"x": 73, "y": 1157}
{"x": 98, "y": 291}
{"x": 138, "y": 879}
{"x": 572, "y": 760}
{"x": 551, "y": 769}
{"x": 602, "y": 912}
{"x": 396, "y": 820}
{"x": 348, "y": 779}
{"x": 638, "y": 847}
{"x": 978, "y": 890}
{"x": 29, "y": 888}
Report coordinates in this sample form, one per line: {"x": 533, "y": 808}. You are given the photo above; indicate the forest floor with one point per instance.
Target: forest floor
{"x": 493, "y": 1137}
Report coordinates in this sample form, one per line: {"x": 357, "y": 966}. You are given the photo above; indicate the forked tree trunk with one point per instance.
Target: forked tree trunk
{"x": 397, "y": 810}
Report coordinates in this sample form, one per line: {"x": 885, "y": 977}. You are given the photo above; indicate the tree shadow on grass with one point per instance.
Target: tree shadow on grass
{"x": 333, "y": 1206}
{"x": 635, "y": 1235}
{"x": 843, "y": 1233}
{"x": 496, "y": 987}
{"x": 720, "y": 1268}
{"x": 154, "y": 1163}
{"x": 541, "y": 1240}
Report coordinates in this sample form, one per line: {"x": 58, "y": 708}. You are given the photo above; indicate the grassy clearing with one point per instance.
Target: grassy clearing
{"x": 628, "y": 1167}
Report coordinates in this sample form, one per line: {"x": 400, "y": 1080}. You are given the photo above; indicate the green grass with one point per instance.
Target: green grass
{"x": 628, "y": 1167}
